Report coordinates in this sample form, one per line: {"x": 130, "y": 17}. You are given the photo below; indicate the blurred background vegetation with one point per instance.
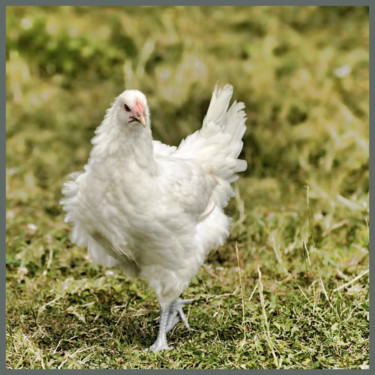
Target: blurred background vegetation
{"x": 303, "y": 74}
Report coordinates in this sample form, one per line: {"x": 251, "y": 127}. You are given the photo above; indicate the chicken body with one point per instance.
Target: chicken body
{"x": 153, "y": 209}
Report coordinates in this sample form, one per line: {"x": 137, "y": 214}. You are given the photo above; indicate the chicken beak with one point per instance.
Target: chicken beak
{"x": 142, "y": 120}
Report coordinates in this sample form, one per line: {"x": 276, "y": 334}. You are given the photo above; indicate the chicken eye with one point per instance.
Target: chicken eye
{"x": 127, "y": 109}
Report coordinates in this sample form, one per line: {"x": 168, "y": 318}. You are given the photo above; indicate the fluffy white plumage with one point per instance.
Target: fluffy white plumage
{"x": 153, "y": 209}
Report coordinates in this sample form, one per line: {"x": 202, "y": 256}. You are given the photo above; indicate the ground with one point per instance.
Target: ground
{"x": 289, "y": 289}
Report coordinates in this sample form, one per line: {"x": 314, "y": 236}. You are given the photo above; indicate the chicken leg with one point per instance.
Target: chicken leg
{"x": 168, "y": 319}
{"x": 161, "y": 340}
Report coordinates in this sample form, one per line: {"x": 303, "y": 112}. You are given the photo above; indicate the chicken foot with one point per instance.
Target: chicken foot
{"x": 176, "y": 313}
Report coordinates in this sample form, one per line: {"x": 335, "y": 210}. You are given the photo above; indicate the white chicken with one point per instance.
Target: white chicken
{"x": 152, "y": 209}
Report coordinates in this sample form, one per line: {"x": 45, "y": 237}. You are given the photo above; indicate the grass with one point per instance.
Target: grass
{"x": 290, "y": 287}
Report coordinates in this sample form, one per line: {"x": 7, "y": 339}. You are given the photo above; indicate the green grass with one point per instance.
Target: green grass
{"x": 296, "y": 294}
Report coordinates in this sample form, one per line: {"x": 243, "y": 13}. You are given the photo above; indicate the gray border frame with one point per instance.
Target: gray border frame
{"x": 175, "y": 3}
